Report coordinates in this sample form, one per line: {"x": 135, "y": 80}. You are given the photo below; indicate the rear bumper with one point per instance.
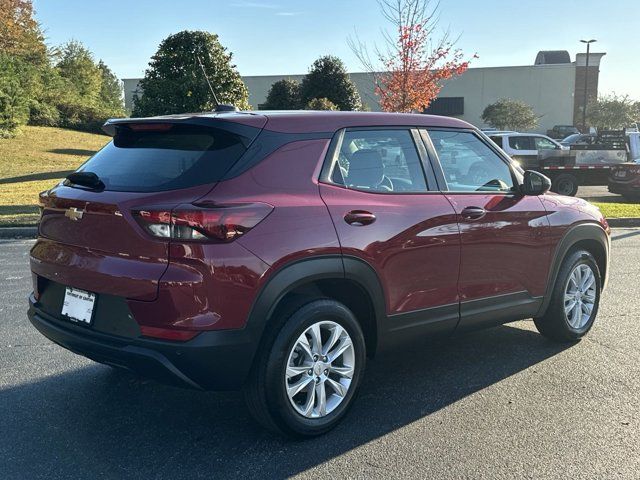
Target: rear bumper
{"x": 214, "y": 360}
{"x": 630, "y": 187}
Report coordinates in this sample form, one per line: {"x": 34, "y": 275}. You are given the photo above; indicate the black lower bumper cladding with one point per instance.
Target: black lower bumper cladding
{"x": 213, "y": 360}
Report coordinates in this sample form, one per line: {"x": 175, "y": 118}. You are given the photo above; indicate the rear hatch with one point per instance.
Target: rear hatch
{"x": 89, "y": 237}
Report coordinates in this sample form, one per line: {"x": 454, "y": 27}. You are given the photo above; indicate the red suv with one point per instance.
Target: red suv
{"x": 276, "y": 251}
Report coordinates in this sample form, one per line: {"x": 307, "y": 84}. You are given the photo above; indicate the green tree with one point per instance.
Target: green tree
{"x": 175, "y": 83}
{"x": 283, "y": 95}
{"x": 88, "y": 93}
{"x": 506, "y": 114}
{"x": 328, "y": 78}
{"x": 14, "y": 104}
{"x": 613, "y": 112}
{"x": 22, "y": 54}
{"x": 110, "y": 89}
{"x": 77, "y": 66}
{"x": 320, "y": 104}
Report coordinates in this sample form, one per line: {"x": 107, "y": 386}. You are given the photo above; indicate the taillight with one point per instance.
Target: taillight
{"x": 222, "y": 223}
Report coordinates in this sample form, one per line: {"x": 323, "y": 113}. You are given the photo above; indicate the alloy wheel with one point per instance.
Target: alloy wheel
{"x": 320, "y": 368}
{"x": 580, "y": 296}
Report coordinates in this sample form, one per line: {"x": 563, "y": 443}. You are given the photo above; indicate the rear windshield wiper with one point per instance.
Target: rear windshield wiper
{"x": 85, "y": 179}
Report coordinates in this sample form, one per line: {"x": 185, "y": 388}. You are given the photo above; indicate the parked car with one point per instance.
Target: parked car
{"x": 524, "y": 147}
{"x": 562, "y": 131}
{"x": 582, "y": 162}
{"x": 625, "y": 180}
{"x": 579, "y": 139}
{"x": 275, "y": 252}
{"x": 493, "y": 131}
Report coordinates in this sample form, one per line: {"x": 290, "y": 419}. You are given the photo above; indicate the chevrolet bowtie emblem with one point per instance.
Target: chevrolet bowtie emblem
{"x": 73, "y": 213}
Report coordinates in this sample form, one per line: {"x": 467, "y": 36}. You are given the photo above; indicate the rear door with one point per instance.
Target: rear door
{"x": 389, "y": 215}
{"x": 506, "y": 249}
{"x": 89, "y": 237}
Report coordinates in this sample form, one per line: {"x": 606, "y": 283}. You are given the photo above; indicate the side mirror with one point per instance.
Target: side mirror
{"x": 535, "y": 183}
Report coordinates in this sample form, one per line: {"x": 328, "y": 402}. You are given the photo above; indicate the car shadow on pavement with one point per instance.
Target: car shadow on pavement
{"x": 95, "y": 421}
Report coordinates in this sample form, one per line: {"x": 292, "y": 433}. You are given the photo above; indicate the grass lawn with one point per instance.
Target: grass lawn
{"x": 619, "y": 210}
{"x": 35, "y": 160}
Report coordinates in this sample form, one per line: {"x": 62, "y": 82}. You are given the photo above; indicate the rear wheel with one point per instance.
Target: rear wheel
{"x": 565, "y": 184}
{"x": 574, "y": 301}
{"x": 307, "y": 374}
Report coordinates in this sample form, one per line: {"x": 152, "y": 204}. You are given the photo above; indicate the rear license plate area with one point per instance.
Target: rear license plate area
{"x": 78, "y": 305}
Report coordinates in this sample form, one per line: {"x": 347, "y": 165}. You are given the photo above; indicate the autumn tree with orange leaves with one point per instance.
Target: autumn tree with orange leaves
{"x": 20, "y": 34}
{"x": 408, "y": 72}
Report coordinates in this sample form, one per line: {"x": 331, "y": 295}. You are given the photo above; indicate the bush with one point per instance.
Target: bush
{"x": 506, "y": 114}
{"x": 88, "y": 118}
{"x": 321, "y": 104}
{"x": 43, "y": 114}
{"x": 283, "y": 95}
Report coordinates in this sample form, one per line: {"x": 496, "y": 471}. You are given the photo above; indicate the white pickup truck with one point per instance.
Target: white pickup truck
{"x": 568, "y": 167}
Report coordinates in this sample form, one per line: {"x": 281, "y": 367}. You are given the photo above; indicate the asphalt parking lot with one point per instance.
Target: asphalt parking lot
{"x": 501, "y": 403}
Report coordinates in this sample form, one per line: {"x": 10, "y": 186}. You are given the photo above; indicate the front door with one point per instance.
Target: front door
{"x": 506, "y": 249}
{"x": 386, "y": 215}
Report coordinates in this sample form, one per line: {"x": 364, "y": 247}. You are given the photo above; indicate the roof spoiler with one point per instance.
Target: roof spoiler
{"x": 110, "y": 125}
{"x": 247, "y": 130}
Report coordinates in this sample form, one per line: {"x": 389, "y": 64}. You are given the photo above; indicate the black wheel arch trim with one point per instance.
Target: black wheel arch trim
{"x": 584, "y": 231}
{"x": 297, "y": 273}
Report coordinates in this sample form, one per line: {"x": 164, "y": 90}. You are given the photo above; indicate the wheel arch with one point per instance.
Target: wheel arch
{"x": 348, "y": 280}
{"x": 587, "y": 236}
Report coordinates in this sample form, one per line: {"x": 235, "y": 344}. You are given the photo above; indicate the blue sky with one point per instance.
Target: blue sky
{"x": 285, "y": 36}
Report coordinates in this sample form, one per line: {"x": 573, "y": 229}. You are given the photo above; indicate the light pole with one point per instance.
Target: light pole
{"x": 586, "y": 76}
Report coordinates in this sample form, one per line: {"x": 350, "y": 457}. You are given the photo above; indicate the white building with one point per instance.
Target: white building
{"x": 553, "y": 86}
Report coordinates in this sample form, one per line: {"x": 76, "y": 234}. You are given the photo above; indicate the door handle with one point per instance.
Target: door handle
{"x": 359, "y": 218}
{"x": 473, "y": 213}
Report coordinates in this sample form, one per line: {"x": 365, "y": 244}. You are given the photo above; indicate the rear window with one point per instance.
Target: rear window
{"x": 181, "y": 157}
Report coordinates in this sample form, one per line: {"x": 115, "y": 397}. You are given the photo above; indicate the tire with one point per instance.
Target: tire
{"x": 565, "y": 184}
{"x": 558, "y": 325}
{"x": 283, "y": 363}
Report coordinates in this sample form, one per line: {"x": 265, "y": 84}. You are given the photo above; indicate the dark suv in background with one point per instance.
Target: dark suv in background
{"x": 276, "y": 251}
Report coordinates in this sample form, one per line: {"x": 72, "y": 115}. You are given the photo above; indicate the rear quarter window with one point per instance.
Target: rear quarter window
{"x": 181, "y": 157}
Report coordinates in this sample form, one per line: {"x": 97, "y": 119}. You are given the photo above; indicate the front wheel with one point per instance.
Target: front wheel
{"x": 574, "y": 300}
{"x": 306, "y": 377}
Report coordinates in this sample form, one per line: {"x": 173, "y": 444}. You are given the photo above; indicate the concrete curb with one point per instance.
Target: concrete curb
{"x": 625, "y": 222}
{"x": 18, "y": 232}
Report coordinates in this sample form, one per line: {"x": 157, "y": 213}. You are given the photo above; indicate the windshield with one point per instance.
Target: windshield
{"x": 571, "y": 139}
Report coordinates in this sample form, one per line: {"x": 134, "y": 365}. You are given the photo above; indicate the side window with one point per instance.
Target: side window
{"x": 469, "y": 165}
{"x": 497, "y": 140}
{"x": 544, "y": 144}
{"x": 521, "y": 143}
{"x": 383, "y": 161}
